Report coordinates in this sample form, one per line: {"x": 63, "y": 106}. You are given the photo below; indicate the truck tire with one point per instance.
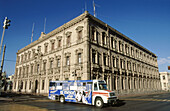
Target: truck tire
{"x": 99, "y": 103}
{"x": 62, "y": 99}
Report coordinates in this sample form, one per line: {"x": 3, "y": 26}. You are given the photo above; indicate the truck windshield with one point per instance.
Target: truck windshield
{"x": 102, "y": 86}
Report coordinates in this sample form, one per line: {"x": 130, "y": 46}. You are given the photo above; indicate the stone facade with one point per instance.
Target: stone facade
{"x": 165, "y": 80}
{"x": 86, "y": 48}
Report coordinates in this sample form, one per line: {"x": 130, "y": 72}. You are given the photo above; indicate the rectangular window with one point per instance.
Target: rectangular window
{"x": 46, "y": 49}
{"x": 68, "y": 40}
{"x": 112, "y": 45}
{"x": 38, "y": 66}
{"x": 93, "y": 33}
{"x": 44, "y": 66}
{"x": 79, "y": 58}
{"x": 80, "y": 35}
{"x": 93, "y": 57}
{"x": 67, "y": 61}
{"x": 105, "y": 59}
{"x": 30, "y": 85}
{"x": 59, "y": 43}
{"x": 58, "y": 63}
{"x": 115, "y": 44}
{"x": 114, "y": 62}
{"x": 104, "y": 38}
{"x": 51, "y": 64}
{"x": 42, "y": 84}
{"x": 52, "y": 46}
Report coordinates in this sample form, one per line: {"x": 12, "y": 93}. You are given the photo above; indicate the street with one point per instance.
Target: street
{"x": 156, "y": 102}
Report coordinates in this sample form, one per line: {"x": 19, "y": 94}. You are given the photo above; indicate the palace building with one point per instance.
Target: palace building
{"x": 82, "y": 49}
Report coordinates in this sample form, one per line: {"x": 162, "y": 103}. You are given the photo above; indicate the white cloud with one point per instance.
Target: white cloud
{"x": 164, "y": 60}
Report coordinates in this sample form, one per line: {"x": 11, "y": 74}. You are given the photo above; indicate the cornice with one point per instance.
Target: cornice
{"x": 75, "y": 21}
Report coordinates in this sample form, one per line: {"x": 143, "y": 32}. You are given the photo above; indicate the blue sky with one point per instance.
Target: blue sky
{"x": 145, "y": 21}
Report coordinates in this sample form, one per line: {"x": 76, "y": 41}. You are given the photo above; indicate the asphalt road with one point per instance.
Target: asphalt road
{"x": 156, "y": 102}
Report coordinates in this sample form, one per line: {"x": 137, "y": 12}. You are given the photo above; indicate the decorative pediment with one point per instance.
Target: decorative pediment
{"x": 58, "y": 57}
{"x": 46, "y": 44}
{"x": 67, "y": 54}
{"x": 52, "y": 40}
{"x": 79, "y": 50}
{"x": 79, "y": 28}
{"x": 59, "y": 37}
{"x": 68, "y": 33}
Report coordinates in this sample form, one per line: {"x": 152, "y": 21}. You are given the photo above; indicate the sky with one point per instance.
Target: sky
{"x": 147, "y": 22}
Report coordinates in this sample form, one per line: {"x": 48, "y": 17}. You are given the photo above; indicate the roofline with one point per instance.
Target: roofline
{"x": 74, "y": 21}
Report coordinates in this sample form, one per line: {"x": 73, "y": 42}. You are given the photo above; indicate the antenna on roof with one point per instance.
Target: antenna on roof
{"x": 85, "y": 6}
{"x": 94, "y": 9}
{"x": 32, "y": 33}
{"x": 44, "y": 24}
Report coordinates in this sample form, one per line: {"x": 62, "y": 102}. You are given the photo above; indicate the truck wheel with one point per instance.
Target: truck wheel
{"x": 113, "y": 103}
{"x": 99, "y": 103}
{"x": 62, "y": 99}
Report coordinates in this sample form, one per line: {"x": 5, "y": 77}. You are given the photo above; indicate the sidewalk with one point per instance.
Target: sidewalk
{"x": 17, "y": 97}
{"x": 142, "y": 94}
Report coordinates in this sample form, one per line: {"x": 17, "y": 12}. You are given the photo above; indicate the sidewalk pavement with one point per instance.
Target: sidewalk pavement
{"x": 142, "y": 94}
{"x": 17, "y": 97}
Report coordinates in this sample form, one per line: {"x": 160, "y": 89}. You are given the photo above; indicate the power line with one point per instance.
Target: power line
{"x": 8, "y": 60}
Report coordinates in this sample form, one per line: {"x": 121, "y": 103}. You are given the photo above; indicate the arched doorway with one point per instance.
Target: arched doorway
{"x": 36, "y": 86}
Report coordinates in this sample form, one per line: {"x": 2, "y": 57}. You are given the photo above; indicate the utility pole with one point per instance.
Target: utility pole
{"x": 6, "y": 25}
{"x": 1, "y": 68}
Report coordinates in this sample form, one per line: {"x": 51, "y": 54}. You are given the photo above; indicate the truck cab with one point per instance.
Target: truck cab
{"x": 101, "y": 95}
